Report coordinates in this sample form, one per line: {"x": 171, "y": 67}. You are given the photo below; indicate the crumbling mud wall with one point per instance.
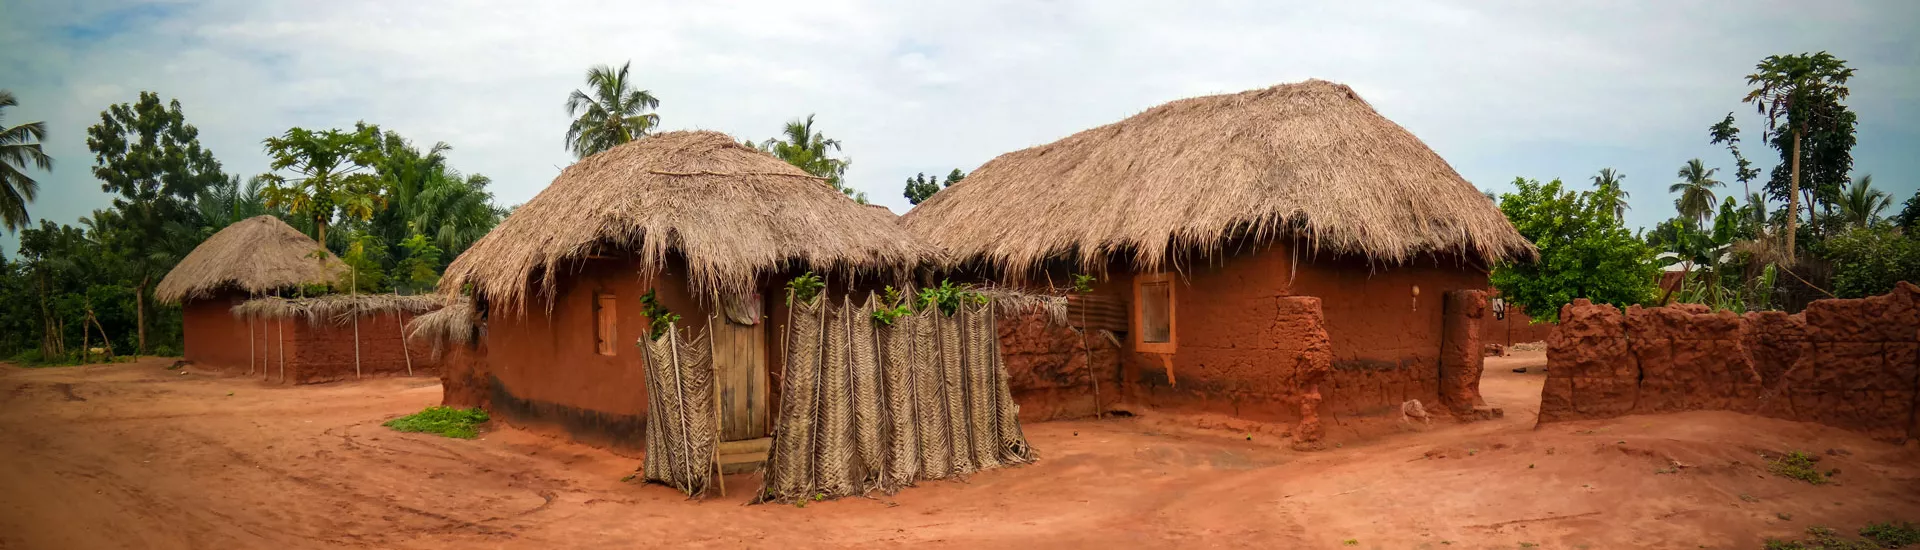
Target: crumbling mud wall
{"x": 1852, "y": 364}
{"x": 464, "y": 375}
{"x": 1461, "y": 356}
{"x": 1048, "y": 370}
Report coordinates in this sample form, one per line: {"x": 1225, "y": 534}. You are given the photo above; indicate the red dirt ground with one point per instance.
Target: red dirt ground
{"x": 136, "y": 456}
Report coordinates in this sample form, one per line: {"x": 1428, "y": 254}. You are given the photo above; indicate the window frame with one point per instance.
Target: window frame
{"x": 606, "y": 324}
{"x": 1140, "y": 343}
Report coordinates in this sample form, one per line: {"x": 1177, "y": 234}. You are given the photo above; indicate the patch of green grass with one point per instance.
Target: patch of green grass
{"x": 1798, "y": 465}
{"x": 1823, "y": 539}
{"x": 445, "y": 421}
{"x": 1892, "y": 534}
{"x": 1351, "y": 542}
{"x": 1749, "y": 498}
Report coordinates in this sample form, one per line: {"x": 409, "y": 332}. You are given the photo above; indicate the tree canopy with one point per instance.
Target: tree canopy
{"x": 1585, "y": 252}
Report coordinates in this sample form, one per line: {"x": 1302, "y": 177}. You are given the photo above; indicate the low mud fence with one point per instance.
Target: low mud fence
{"x": 1852, "y": 364}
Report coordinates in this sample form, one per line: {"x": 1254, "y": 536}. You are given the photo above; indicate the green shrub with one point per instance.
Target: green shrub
{"x": 1798, "y": 465}
{"x": 1892, "y": 534}
{"x": 446, "y": 421}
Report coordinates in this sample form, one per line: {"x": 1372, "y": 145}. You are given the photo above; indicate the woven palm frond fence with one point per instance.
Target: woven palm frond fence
{"x": 682, "y": 427}
{"x": 866, "y": 405}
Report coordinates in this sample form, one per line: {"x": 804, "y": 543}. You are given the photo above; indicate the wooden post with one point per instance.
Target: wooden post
{"x": 403, "y": 341}
{"x": 249, "y": 344}
{"x": 354, "y": 280}
{"x": 283, "y": 351}
{"x": 713, "y": 357}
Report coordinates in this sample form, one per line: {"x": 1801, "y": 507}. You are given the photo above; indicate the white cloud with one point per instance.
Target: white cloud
{"x": 1501, "y": 89}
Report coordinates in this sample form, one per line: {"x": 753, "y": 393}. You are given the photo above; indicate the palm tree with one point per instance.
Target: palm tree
{"x": 19, "y": 149}
{"x": 614, "y": 113}
{"x": 454, "y": 212}
{"x": 1697, "y": 197}
{"x": 811, "y": 151}
{"x": 1792, "y": 87}
{"x": 1608, "y": 180}
{"x": 1862, "y": 204}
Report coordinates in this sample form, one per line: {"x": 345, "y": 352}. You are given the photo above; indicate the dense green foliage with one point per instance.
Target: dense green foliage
{"x": 659, "y": 318}
{"x": 396, "y": 214}
{"x": 1868, "y": 261}
{"x": 1585, "y": 252}
{"x": 921, "y": 187}
{"x": 445, "y": 421}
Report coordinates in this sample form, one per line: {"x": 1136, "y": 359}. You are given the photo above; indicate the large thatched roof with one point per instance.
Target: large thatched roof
{"x": 1309, "y": 160}
{"x": 255, "y": 255}
{"x": 731, "y": 211}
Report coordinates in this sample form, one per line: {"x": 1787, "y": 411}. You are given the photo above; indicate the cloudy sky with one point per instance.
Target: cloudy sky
{"x": 1499, "y": 88}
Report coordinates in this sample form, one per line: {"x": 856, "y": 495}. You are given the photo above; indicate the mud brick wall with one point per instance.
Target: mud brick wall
{"x": 1047, "y": 368}
{"x": 1852, "y": 364}
{"x": 1265, "y": 360}
{"x": 464, "y": 376}
{"x": 324, "y": 352}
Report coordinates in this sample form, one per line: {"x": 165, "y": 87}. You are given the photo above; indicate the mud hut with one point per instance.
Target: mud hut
{"x": 250, "y": 258}
{"x": 1265, "y": 254}
{"x": 691, "y": 224}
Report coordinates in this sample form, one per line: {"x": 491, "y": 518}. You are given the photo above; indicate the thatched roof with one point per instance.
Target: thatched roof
{"x": 1310, "y": 160}
{"x": 336, "y": 308}
{"x": 255, "y": 255}
{"x": 731, "y": 211}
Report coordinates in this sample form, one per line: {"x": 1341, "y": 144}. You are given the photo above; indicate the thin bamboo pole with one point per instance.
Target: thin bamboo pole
{"x": 403, "y": 341}
{"x": 354, "y": 280}
{"x": 713, "y": 358}
{"x": 249, "y": 344}
{"x": 283, "y": 350}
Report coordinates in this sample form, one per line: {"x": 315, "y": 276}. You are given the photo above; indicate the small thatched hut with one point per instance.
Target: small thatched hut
{"x": 1237, "y": 238}
{"x": 250, "y": 258}
{"x": 698, "y": 222}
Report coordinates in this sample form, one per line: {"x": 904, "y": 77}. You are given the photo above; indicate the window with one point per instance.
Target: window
{"x": 604, "y": 328}
{"x": 1153, "y": 313}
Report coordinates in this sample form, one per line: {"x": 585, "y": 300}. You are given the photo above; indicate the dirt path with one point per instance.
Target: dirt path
{"x": 136, "y": 456}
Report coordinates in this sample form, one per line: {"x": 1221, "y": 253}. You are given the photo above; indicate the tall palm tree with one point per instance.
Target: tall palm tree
{"x": 19, "y": 149}
{"x": 613, "y": 113}
{"x": 1793, "y": 87}
{"x": 1697, "y": 197}
{"x": 1862, "y": 204}
{"x": 1608, "y": 180}
{"x": 812, "y": 151}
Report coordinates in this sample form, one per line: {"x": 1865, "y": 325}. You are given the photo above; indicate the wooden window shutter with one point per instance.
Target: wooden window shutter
{"x": 605, "y": 329}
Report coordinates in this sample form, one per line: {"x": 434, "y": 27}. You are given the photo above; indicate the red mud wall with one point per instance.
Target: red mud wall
{"x": 465, "y": 380}
{"x": 544, "y": 369}
{"x": 1240, "y": 330}
{"x": 214, "y": 338}
{"x": 324, "y": 352}
{"x": 1047, "y": 367}
{"x": 1853, "y": 364}
{"x": 1461, "y": 358}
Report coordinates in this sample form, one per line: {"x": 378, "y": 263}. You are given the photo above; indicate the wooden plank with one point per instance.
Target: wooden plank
{"x": 746, "y": 446}
{"x": 742, "y": 358}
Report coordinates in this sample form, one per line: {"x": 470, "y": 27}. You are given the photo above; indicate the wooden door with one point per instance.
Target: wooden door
{"x": 740, "y": 354}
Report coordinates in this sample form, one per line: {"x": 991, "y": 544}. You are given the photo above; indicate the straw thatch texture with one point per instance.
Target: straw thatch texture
{"x": 923, "y": 398}
{"x": 335, "y": 308}
{"x": 256, "y": 255}
{"x": 731, "y": 211}
{"x": 1309, "y": 160}
{"x": 682, "y": 431}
